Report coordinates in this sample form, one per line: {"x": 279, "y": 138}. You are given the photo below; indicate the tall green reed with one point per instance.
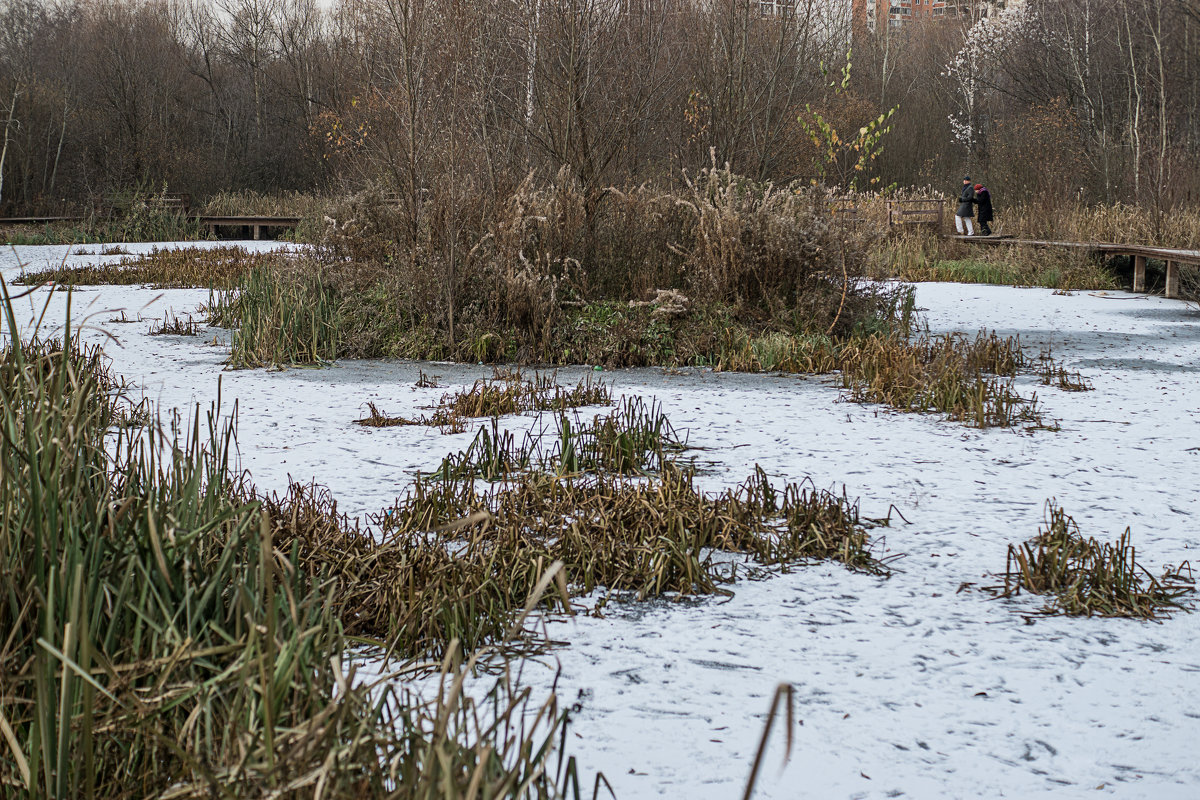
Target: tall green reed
{"x": 160, "y": 641}
{"x": 278, "y": 321}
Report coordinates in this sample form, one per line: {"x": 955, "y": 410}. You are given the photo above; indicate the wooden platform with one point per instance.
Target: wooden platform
{"x": 1173, "y": 257}
{"x": 38, "y": 220}
{"x": 253, "y": 225}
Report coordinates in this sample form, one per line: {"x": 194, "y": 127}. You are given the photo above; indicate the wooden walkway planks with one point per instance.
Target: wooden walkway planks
{"x": 1140, "y": 253}
{"x": 38, "y": 220}
{"x": 252, "y": 224}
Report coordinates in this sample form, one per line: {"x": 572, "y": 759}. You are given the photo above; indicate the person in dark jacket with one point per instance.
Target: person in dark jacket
{"x": 966, "y": 208}
{"x": 983, "y": 199}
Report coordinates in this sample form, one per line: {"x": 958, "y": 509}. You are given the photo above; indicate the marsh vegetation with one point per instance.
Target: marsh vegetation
{"x": 1083, "y": 576}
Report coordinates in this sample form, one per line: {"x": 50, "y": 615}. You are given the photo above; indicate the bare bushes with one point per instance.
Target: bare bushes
{"x": 516, "y": 275}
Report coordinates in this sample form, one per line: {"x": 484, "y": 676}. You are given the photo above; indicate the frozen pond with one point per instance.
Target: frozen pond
{"x": 905, "y": 687}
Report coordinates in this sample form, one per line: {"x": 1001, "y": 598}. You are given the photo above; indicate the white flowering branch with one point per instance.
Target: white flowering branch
{"x": 982, "y": 48}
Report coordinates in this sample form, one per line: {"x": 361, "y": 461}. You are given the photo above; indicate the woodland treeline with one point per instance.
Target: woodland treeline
{"x": 1045, "y": 100}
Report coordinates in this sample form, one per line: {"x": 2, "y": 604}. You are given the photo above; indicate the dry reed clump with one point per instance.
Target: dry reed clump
{"x": 530, "y": 274}
{"x": 637, "y": 538}
{"x": 363, "y": 227}
{"x": 171, "y": 325}
{"x": 260, "y": 204}
{"x": 553, "y": 274}
{"x": 1054, "y": 373}
{"x": 377, "y": 419}
{"x": 634, "y": 439}
{"x": 510, "y": 392}
{"x": 1120, "y": 223}
{"x": 778, "y": 352}
{"x": 971, "y": 381}
{"x": 182, "y": 268}
{"x": 445, "y": 421}
{"x": 506, "y": 392}
{"x": 452, "y": 561}
{"x": 161, "y": 637}
{"x": 921, "y": 256}
{"x": 1086, "y": 577}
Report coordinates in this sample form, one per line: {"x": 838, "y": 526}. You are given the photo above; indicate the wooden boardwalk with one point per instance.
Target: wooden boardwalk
{"x": 252, "y": 225}
{"x": 1173, "y": 257}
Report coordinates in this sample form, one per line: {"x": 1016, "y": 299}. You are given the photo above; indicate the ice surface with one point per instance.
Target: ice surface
{"x": 904, "y": 687}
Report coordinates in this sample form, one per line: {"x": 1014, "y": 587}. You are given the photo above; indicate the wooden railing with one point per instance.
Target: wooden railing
{"x": 916, "y": 212}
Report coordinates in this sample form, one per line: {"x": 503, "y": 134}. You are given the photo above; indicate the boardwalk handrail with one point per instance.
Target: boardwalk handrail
{"x": 927, "y": 211}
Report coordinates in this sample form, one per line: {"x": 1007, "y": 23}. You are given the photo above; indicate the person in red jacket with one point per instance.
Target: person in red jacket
{"x": 983, "y": 199}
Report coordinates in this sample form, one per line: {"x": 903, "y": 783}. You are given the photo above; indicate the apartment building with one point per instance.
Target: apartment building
{"x": 869, "y": 14}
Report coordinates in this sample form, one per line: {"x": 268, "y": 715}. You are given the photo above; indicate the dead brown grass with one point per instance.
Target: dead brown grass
{"x": 164, "y": 269}
{"x": 1086, "y": 577}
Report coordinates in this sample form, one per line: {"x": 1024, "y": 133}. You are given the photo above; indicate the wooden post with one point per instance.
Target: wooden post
{"x": 257, "y": 232}
{"x": 1139, "y": 273}
{"x": 1172, "y": 279}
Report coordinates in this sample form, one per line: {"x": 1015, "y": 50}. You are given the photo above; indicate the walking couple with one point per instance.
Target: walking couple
{"x": 972, "y": 196}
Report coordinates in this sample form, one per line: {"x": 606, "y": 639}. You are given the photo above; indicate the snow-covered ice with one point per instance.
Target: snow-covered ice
{"x": 904, "y": 687}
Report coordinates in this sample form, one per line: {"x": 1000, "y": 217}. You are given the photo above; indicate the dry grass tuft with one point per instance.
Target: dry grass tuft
{"x": 969, "y": 380}
{"x": 182, "y": 268}
{"x": 171, "y": 325}
{"x": 510, "y": 392}
{"x": 1086, "y": 577}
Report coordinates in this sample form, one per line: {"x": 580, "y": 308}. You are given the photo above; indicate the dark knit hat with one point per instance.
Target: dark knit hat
{"x": 966, "y": 177}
